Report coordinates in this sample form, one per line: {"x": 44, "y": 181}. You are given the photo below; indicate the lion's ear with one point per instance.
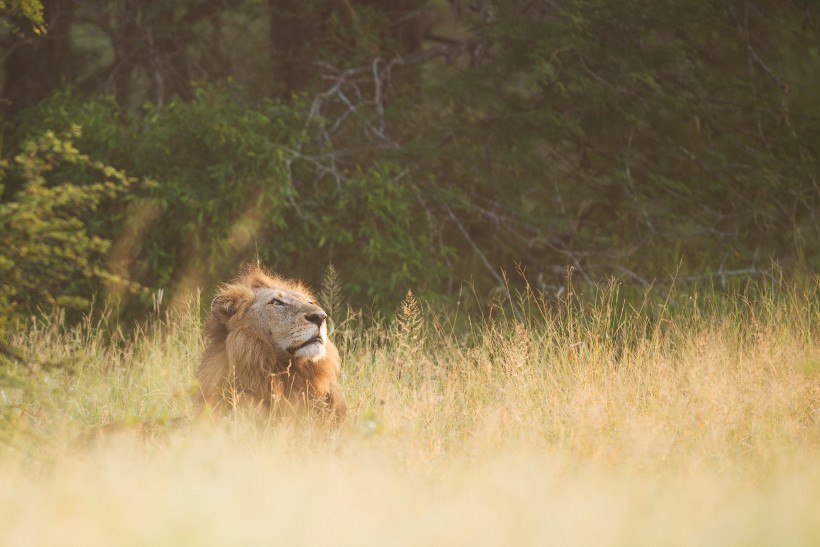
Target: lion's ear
{"x": 229, "y": 301}
{"x": 223, "y": 308}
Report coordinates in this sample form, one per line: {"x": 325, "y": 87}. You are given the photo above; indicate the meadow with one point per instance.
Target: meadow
{"x": 678, "y": 417}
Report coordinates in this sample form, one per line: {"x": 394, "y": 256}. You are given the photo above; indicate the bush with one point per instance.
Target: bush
{"x": 235, "y": 183}
{"x": 48, "y": 254}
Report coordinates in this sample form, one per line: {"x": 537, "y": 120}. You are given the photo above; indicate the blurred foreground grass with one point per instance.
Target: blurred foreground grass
{"x": 684, "y": 419}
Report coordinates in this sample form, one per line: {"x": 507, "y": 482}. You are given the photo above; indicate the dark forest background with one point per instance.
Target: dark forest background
{"x": 416, "y": 144}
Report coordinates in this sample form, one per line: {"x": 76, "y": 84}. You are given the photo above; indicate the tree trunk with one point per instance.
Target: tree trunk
{"x": 290, "y": 34}
{"x": 36, "y": 65}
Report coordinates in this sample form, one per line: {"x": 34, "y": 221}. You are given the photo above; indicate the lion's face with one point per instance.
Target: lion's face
{"x": 291, "y": 321}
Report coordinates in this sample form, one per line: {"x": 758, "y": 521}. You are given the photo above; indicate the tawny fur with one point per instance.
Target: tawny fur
{"x": 242, "y": 367}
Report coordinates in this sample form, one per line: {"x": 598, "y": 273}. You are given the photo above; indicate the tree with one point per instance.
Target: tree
{"x": 28, "y": 10}
{"x": 421, "y": 143}
{"x": 36, "y": 62}
{"x": 622, "y": 137}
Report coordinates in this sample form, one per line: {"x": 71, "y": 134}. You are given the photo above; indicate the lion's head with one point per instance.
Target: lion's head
{"x": 267, "y": 344}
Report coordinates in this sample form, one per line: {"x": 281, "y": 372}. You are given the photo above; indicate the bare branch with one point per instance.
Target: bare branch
{"x": 483, "y": 259}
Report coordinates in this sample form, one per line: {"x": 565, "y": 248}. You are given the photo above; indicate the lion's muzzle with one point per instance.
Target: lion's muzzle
{"x": 315, "y": 340}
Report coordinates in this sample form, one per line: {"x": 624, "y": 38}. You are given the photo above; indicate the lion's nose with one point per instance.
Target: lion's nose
{"x": 317, "y": 318}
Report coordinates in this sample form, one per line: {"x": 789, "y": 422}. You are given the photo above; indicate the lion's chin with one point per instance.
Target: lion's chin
{"x": 313, "y": 351}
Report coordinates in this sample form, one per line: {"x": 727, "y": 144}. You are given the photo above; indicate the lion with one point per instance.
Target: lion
{"x": 267, "y": 346}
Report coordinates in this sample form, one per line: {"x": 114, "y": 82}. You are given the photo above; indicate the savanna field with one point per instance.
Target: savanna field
{"x": 424, "y": 149}
{"x": 678, "y": 417}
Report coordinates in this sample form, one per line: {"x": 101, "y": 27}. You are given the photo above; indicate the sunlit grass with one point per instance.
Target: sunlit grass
{"x": 678, "y": 419}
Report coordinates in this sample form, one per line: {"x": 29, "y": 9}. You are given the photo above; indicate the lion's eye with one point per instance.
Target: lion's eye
{"x": 276, "y": 302}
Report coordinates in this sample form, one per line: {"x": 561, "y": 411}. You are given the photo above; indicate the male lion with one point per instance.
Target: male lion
{"x": 267, "y": 345}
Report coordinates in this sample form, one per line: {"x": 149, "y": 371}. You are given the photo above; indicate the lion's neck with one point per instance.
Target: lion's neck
{"x": 260, "y": 371}
{"x": 300, "y": 377}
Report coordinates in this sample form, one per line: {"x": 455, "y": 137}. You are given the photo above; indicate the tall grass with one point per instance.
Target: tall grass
{"x": 676, "y": 418}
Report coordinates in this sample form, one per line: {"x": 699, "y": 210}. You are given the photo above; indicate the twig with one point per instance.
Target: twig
{"x": 721, "y": 274}
{"x": 483, "y": 259}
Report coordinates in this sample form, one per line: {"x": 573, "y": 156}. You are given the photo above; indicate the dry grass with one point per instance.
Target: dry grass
{"x": 691, "y": 420}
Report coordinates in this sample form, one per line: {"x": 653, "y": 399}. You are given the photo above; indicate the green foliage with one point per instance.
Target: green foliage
{"x": 48, "y": 255}
{"x": 29, "y": 10}
{"x": 374, "y": 224}
{"x": 229, "y": 189}
{"x": 217, "y": 165}
{"x": 626, "y": 136}
{"x": 415, "y": 143}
